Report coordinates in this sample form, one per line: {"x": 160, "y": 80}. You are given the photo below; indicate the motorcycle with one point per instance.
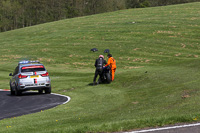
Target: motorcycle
{"x": 106, "y": 75}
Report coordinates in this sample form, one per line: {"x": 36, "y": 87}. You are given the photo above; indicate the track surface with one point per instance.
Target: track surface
{"x": 29, "y": 102}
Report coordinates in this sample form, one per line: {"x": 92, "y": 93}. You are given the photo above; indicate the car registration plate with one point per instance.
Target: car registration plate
{"x": 35, "y": 76}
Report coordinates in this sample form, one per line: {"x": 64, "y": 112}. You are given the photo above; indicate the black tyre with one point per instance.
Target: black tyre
{"x": 108, "y": 78}
{"x": 48, "y": 90}
{"x": 17, "y": 92}
{"x": 11, "y": 91}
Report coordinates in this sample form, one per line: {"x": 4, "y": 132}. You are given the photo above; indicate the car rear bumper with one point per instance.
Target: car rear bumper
{"x": 33, "y": 87}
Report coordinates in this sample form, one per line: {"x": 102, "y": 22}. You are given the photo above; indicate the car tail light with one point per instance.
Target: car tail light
{"x": 46, "y": 74}
{"x": 22, "y": 76}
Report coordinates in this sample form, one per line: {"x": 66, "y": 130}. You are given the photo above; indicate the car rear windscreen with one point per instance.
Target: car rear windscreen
{"x": 32, "y": 68}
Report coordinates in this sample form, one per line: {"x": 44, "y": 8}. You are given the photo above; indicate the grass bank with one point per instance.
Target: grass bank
{"x": 157, "y": 77}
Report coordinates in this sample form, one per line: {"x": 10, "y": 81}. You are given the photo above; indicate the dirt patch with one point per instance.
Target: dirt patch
{"x": 11, "y": 56}
{"x": 45, "y": 50}
{"x": 134, "y": 67}
{"x": 136, "y": 49}
{"x": 45, "y": 59}
{"x": 183, "y": 45}
{"x": 141, "y": 60}
{"x": 135, "y": 102}
{"x": 178, "y": 54}
{"x": 185, "y": 96}
{"x": 165, "y": 32}
{"x": 188, "y": 93}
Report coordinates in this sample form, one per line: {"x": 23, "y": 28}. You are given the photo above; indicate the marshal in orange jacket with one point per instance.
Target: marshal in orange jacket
{"x": 112, "y": 63}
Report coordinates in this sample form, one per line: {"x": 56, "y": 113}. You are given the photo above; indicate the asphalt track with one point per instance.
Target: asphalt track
{"x": 29, "y": 102}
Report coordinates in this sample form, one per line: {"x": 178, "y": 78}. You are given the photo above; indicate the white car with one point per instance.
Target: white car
{"x": 30, "y": 75}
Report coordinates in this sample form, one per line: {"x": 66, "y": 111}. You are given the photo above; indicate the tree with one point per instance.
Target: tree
{"x": 22, "y": 13}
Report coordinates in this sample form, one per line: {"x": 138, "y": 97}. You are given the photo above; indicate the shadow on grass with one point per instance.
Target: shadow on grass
{"x": 91, "y": 84}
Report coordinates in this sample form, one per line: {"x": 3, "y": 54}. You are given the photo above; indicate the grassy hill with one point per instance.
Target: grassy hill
{"x": 157, "y": 77}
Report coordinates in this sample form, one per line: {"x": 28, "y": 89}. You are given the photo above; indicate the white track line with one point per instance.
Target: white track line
{"x": 51, "y": 93}
{"x": 165, "y": 128}
{"x": 63, "y": 96}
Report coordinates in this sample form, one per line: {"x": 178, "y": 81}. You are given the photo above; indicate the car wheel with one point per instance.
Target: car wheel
{"x": 17, "y": 92}
{"x": 48, "y": 90}
{"x": 11, "y": 91}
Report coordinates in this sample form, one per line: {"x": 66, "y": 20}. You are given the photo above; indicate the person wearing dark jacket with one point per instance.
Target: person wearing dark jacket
{"x": 99, "y": 63}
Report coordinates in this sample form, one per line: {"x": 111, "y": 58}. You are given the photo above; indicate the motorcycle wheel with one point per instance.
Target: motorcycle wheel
{"x": 108, "y": 78}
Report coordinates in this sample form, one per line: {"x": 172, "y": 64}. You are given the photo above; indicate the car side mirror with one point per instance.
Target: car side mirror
{"x": 10, "y": 74}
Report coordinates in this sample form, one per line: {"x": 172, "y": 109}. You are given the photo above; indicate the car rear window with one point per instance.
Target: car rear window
{"x": 32, "y": 68}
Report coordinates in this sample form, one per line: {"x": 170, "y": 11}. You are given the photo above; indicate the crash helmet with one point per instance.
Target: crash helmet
{"x": 101, "y": 56}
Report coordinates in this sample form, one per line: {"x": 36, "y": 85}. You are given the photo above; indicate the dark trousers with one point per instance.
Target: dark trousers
{"x": 97, "y": 72}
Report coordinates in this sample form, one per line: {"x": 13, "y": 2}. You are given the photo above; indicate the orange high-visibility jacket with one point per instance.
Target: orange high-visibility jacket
{"x": 112, "y": 63}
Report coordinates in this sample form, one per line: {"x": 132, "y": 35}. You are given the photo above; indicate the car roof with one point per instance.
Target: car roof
{"x": 24, "y": 65}
{"x": 28, "y": 63}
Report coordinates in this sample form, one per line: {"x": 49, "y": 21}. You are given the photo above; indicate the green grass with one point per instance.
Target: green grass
{"x": 157, "y": 77}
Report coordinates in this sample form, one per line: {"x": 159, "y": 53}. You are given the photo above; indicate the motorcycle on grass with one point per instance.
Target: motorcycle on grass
{"x": 106, "y": 75}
